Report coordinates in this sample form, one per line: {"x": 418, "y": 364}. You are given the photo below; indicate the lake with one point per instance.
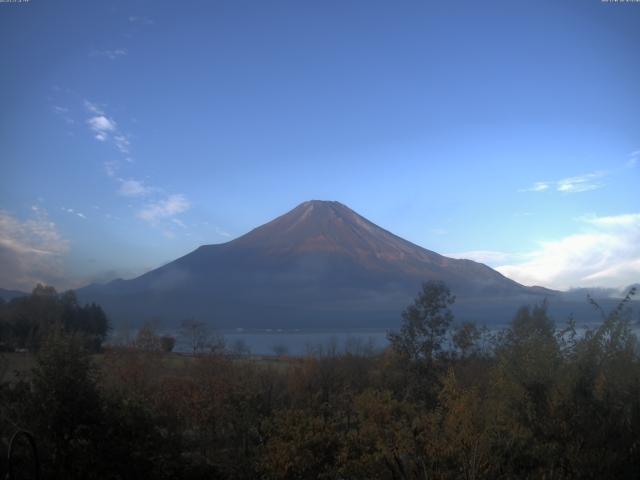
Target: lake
{"x": 303, "y": 342}
{"x": 298, "y": 342}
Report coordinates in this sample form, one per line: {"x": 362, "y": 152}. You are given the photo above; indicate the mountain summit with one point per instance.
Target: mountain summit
{"x": 323, "y": 226}
{"x": 320, "y": 264}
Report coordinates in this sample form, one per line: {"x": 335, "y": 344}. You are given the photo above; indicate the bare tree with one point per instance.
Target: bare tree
{"x": 196, "y": 334}
{"x": 200, "y": 337}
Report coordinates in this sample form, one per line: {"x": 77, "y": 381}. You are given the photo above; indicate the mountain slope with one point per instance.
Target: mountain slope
{"x": 319, "y": 264}
{"x": 11, "y": 294}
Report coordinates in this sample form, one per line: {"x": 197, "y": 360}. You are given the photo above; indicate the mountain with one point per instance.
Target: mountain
{"x": 7, "y": 295}
{"x": 626, "y": 291}
{"x": 319, "y": 265}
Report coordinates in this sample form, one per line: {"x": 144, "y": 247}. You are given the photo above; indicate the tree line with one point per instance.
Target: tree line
{"x": 535, "y": 400}
{"x": 26, "y": 322}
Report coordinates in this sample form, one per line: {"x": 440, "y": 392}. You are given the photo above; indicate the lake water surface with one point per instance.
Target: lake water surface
{"x": 299, "y": 342}
{"x": 303, "y": 342}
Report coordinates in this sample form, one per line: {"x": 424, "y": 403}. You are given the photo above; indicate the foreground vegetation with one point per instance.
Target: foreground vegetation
{"x": 532, "y": 401}
{"x": 27, "y": 322}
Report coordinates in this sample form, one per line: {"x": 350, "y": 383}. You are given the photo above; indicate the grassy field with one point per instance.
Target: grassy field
{"x": 16, "y": 365}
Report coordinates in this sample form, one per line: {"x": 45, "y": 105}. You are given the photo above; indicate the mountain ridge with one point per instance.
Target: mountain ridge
{"x": 8, "y": 294}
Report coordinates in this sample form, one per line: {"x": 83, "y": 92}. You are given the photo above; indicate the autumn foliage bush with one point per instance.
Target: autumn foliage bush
{"x": 535, "y": 400}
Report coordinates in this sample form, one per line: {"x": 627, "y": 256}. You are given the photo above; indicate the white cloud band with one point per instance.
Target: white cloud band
{"x": 606, "y": 255}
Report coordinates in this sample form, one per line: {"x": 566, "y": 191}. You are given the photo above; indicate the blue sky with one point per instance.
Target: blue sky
{"x": 133, "y": 131}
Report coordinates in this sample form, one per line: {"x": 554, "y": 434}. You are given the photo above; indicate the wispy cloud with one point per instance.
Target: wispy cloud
{"x": 633, "y": 159}
{"x": 101, "y": 126}
{"x": 74, "y": 212}
{"x": 606, "y": 253}
{"x": 31, "y": 250}
{"x": 110, "y": 54}
{"x": 577, "y": 184}
{"x": 63, "y": 112}
{"x": 581, "y": 183}
{"x": 164, "y": 209}
{"x": 93, "y": 107}
{"x": 106, "y": 128}
{"x": 160, "y": 212}
{"x": 122, "y": 143}
{"x": 141, "y": 20}
{"x": 537, "y": 187}
{"x": 133, "y": 188}
{"x": 111, "y": 168}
